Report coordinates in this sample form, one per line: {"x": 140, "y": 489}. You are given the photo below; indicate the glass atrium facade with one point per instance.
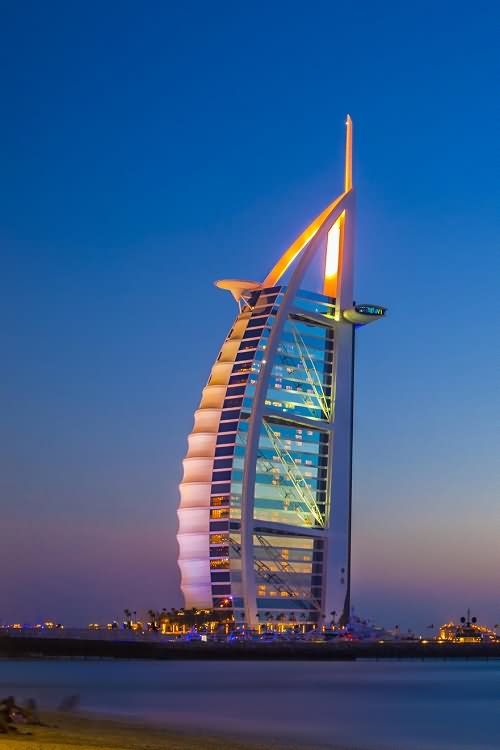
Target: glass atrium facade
{"x": 291, "y": 491}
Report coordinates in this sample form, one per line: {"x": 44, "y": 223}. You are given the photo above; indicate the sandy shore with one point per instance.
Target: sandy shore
{"x": 88, "y": 732}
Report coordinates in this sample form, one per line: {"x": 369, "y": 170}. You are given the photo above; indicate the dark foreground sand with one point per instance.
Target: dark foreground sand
{"x": 108, "y": 734}
{"x": 88, "y": 732}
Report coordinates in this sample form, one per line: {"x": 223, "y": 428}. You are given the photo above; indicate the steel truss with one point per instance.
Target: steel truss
{"x": 288, "y": 501}
{"x": 295, "y": 476}
{"x": 271, "y": 577}
{"x": 312, "y": 375}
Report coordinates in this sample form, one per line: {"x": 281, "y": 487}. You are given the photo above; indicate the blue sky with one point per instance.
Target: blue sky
{"x": 148, "y": 149}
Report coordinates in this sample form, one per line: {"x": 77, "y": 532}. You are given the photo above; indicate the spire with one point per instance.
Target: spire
{"x": 348, "y": 154}
{"x": 335, "y": 256}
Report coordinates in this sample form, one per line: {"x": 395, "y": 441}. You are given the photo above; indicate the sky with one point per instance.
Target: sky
{"x": 149, "y": 148}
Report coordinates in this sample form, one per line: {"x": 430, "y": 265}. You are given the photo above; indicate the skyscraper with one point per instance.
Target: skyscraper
{"x": 265, "y": 509}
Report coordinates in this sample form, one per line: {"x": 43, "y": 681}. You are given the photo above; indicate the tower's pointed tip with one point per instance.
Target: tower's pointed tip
{"x": 348, "y": 154}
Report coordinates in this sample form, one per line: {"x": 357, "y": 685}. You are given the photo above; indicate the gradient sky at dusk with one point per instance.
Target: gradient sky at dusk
{"x": 149, "y": 148}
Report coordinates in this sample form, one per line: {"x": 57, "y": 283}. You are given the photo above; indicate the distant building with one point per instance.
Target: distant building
{"x": 265, "y": 508}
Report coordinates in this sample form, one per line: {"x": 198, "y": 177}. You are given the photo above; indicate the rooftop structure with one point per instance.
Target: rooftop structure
{"x": 265, "y": 508}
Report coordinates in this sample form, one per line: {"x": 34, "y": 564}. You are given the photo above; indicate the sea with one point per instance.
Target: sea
{"x": 363, "y": 705}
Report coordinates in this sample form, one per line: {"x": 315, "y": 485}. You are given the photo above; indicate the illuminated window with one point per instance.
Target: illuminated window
{"x": 219, "y": 513}
{"x": 219, "y": 564}
{"x": 219, "y": 539}
{"x": 219, "y": 500}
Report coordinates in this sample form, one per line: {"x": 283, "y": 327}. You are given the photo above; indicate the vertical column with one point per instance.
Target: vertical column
{"x": 337, "y": 559}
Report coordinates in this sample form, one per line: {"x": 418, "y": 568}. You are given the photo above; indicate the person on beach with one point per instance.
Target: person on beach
{"x": 10, "y": 715}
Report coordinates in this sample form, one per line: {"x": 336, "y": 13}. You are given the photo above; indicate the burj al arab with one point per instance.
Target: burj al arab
{"x": 265, "y": 497}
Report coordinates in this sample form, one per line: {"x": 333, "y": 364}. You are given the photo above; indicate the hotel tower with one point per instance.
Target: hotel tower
{"x": 265, "y": 498}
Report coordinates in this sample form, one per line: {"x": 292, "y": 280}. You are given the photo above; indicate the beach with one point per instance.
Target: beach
{"x": 87, "y": 732}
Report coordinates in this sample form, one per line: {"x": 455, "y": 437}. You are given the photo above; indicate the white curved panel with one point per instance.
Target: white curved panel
{"x": 229, "y": 351}
{"x": 192, "y": 521}
{"x": 239, "y": 329}
{"x": 196, "y": 586}
{"x": 197, "y": 571}
{"x": 206, "y": 420}
{"x": 213, "y": 397}
{"x": 197, "y": 469}
{"x": 193, "y": 546}
{"x": 195, "y": 495}
{"x": 221, "y": 372}
{"x": 197, "y": 596}
{"x": 201, "y": 444}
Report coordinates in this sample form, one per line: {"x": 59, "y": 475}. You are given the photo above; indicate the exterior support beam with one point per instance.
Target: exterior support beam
{"x": 265, "y": 527}
{"x": 336, "y": 596}
{"x": 313, "y": 317}
{"x": 300, "y": 420}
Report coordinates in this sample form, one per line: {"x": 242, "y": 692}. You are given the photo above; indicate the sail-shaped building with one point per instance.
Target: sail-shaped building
{"x": 265, "y": 498}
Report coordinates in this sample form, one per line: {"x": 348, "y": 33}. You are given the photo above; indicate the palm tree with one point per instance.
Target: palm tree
{"x": 154, "y": 619}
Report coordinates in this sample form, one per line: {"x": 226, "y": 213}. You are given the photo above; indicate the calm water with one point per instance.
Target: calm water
{"x": 396, "y": 705}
